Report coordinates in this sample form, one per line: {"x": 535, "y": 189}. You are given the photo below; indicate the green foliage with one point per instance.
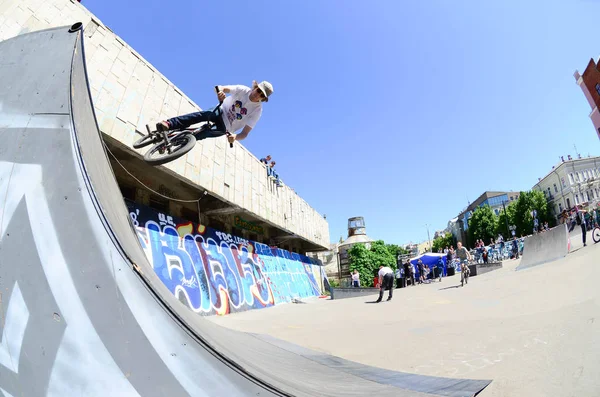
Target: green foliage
{"x": 442, "y": 242}
{"x": 482, "y": 224}
{"x": 501, "y": 227}
{"x": 367, "y": 261}
{"x": 527, "y": 202}
{"x": 396, "y": 250}
{"x": 361, "y": 260}
{"x": 382, "y": 256}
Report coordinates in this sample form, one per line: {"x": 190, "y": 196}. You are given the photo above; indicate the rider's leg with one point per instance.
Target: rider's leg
{"x": 186, "y": 120}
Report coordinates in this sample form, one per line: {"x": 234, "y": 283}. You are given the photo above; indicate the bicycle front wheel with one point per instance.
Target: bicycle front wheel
{"x": 596, "y": 234}
{"x": 162, "y": 153}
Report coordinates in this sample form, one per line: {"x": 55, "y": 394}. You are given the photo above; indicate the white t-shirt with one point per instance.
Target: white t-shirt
{"x": 355, "y": 276}
{"x": 385, "y": 270}
{"x": 239, "y": 110}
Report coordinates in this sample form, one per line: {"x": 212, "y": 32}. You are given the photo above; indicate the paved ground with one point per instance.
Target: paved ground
{"x": 535, "y": 332}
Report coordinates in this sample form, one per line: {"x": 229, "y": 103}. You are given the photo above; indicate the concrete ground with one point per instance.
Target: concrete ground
{"x": 534, "y": 332}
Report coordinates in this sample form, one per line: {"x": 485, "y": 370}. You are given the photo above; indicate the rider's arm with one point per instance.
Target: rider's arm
{"x": 242, "y": 135}
{"x": 225, "y": 88}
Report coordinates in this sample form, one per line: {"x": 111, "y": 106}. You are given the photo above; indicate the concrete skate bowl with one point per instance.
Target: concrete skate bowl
{"x": 545, "y": 247}
{"x": 83, "y": 313}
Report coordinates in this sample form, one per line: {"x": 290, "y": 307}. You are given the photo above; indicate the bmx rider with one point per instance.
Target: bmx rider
{"x": 241, "y": 109}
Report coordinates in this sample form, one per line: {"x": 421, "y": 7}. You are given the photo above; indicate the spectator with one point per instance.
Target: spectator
{"x": 580, "y": 219}
{"x": 265, "y": 160}
{"x": 355, "y": 279}
{"x": 421, "y": 271}
{"x": 440, "y": 268}
{"x": 409, "y": 273}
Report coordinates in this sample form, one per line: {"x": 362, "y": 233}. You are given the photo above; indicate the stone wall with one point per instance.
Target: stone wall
{"x": 128, "y": 93}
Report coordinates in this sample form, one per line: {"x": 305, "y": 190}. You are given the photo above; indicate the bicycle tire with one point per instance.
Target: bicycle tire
{"x": 184, "y": 143}
{"x": 144, "y": 141}
{"x": 596, "y": 234}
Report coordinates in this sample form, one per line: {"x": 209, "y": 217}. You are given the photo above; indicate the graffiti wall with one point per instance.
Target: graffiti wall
{"x": 216, "y": 273}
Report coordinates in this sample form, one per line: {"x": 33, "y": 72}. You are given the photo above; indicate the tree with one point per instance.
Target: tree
{"x": 442, "y": 242}
{"x": 527, "y": 202}
{"x": 396, "y": 250}
{"x": 502, "y": 220}
{"x": 361, "y": 260}
{"x": 367, "y": 261}
{"x": 482, "y": 224}
{"x": 382, "y": 256}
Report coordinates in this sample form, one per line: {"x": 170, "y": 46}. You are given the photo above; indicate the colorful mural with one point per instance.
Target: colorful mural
{"x": 216, "y": 273}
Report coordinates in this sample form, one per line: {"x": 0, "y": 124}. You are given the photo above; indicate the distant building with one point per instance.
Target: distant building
{"x": 357, "y": 233}
{"x": 571, "y": 182}
{"x": 589, "y": 83}
{"x": 336, "y": 260}
{"x": 496, "y": 200}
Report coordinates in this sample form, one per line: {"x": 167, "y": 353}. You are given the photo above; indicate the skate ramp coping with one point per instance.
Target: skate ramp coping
{"x": 545, "y": 247}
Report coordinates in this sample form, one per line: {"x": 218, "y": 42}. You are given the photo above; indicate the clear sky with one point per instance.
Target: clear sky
{"x": 397, "y": 111}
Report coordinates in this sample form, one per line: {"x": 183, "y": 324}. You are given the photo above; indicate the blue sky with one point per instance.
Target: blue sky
{"x": 396, "y": 111}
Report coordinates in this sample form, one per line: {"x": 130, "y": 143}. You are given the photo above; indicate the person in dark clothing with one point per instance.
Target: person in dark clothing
{"x": 580, "y": 219}
{"x": 407, "y": 273}
{"x": 386, "y": 281}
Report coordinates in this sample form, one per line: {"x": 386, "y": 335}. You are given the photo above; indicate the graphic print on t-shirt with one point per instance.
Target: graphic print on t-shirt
{"x": 236, "y": 111}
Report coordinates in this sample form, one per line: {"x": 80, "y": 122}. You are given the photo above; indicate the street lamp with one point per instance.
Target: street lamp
{"x": 429, "y": 238}
{"x": 506, "y": 217}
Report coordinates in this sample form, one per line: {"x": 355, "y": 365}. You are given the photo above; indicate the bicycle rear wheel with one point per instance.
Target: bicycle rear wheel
{"x": 145, "y": 141}
{"x": 596, "y": 234}
{"x": 162, "y": 153}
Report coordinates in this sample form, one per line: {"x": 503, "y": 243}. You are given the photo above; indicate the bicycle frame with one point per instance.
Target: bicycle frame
{"x": 168, "y": 136}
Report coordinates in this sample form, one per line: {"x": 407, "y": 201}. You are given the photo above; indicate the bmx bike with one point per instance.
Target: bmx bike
{"x": 170, "y": 145}
{"x": 596, "y": 234}
{"x": 465, "y": 272}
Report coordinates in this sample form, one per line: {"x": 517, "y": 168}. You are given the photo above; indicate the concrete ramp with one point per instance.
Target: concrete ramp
{"x": 545, "y": 247}
{"x": 82, "y": 312}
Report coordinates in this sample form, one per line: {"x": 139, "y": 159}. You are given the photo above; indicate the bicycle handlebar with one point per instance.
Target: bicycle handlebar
{"x": 220, "y": 103}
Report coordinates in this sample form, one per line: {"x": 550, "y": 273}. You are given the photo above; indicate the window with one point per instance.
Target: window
{"x": 568, "y": 202}
{"x": 588, "y": 195}
{"x": 576, "y": 199}
{"x": 560, "y": 207}
{"x": 511, "y": 198}
{"x": 571, "y": 178}
{"x": 598, "y": 88}
{"x": 555, "y": 188}
{"x": 549, "y": 193}
{"x": 497, "y": 211}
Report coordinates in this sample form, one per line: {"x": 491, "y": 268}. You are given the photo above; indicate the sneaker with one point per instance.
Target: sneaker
{"x": 163, "y": 126}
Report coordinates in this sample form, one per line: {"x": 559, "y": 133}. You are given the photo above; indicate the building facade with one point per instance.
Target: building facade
{"x": 572, "y": 182}
{"x": 227, "y": 189}
{"x": 496, "y": 200}
{"x": 589, "y": 82}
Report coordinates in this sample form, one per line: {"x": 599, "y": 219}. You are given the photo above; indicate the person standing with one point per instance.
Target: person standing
{"x": 408, "y": 273}
{"x": 356, "y": 279}
{"x": 580, "y": 219}
{"x": 386, "y": 280}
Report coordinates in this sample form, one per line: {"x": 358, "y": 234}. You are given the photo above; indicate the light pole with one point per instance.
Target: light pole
{"x": 429, "y": 238}
{"x": 505, "y": 218}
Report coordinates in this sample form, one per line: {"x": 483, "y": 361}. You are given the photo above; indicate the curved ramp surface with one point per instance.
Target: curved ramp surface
{"x": 82, "y": 311}
{"x": 545, "y": 247}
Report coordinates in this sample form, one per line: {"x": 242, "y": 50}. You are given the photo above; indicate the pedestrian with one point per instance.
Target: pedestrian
{"x": 356, "y": 279}
{"x": 440, "y": 268}
{"x": 407, "y": 273}
{"x": 386, "y": 280}
{"x": 580, "y": 219}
